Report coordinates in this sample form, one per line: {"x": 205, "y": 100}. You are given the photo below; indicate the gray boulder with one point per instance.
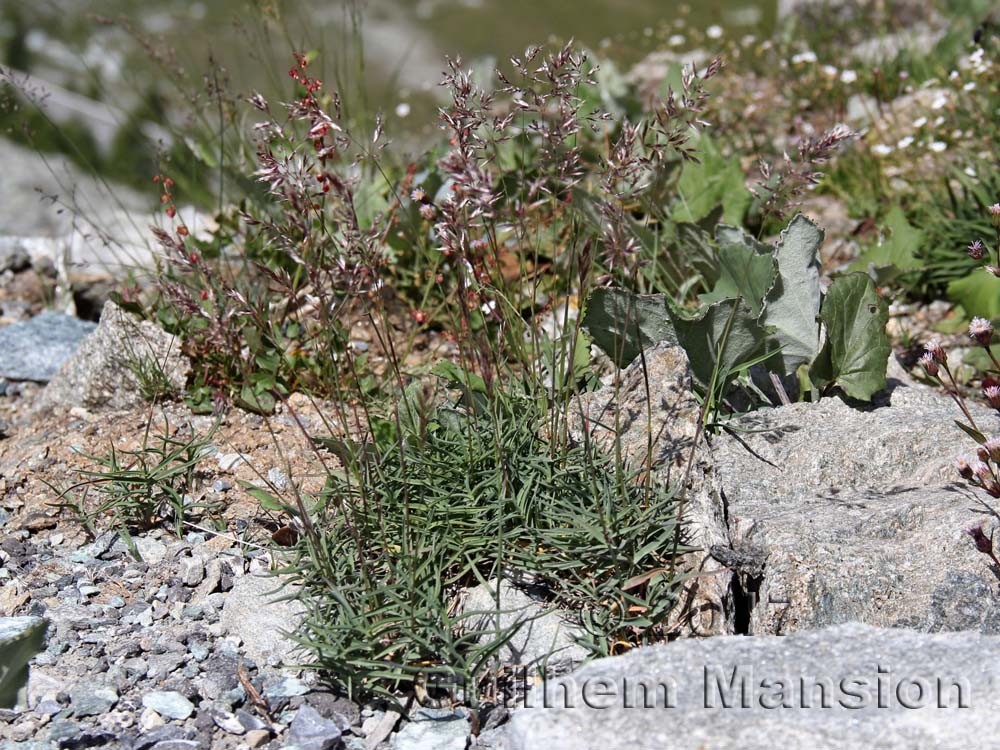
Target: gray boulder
{"x": 35, "y": 349}
{"x": 840, "y": 513}
{"x": 841, "y": 688}
{"x": 121, "y": 362}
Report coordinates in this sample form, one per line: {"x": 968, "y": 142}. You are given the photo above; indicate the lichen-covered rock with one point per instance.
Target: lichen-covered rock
{"x": 850, "y": 686}
{"x": 624, "y": 408}
{"x": 839, "y": 513}
{"x": 124, "y": 360}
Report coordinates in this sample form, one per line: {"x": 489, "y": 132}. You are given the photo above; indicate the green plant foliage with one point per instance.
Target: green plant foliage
{"x": 793, "y": 303}
{"x": 461, "y": 497}
{"x": 745, "y": 273}
{"x": 898, "y": 249}
{"x": 766, "y": 307}
{"x": 978, "y": 293}
{"x": 713, "y": 180}
{"x": 138, "y": 488}
{"x": 857, "y": 346}
{"x": 623, "y": 324}
{"x": 725, "y": 335}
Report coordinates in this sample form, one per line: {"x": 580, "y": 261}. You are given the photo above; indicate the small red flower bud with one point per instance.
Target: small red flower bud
{"x": 182, "y": 230}
{"x": 963, "y": 468}
{"x": 983, "y": 543}
{"x": 171, "y": 211}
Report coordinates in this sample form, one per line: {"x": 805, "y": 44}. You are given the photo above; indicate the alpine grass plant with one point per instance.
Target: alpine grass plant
{"x": 139, "y": 488}
{"x": 470, "y": 493}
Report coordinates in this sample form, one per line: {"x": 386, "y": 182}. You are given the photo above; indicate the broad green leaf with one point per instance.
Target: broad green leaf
{"x": 742, "y": 272}
{"x": 726, "y": 234}
{"x": 702, "y": 338}
{"x": 857, "y": 348}
{"x": 456, "y": 377}
{"x": 623, "y": 324}
{"x": 897, "y": 249}
{"x": 712, "y": 181}
{"x": 978, "y": 293}
{"x": 265, "y": 498}
{"x": 793, "y": 304}
{"x": 256, "y": 400}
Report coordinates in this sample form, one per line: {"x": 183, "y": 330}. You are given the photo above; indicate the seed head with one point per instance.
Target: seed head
{"x": 963, "y": 468}
{"x": 992, "y": 394}
{"x": 929, "y": 364}
{"x": 983, "y": 543}
{"x": 982, "y": 471}
{"x": 428, "y": 211}
{"x": 992, "y": 446}
{"x": 936, "y": 350}
{"x": 981, "y": 330}
{"x": 995, "y": 214}
{"x": 976, "y": 250}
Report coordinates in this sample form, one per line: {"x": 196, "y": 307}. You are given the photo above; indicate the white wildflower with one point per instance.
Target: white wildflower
{"x": 848, "y": 77}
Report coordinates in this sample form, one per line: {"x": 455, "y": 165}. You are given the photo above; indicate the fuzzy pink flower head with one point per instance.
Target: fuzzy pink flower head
{"x": 427, "y": 211}
{"x": 936, "y": 350}
{"x": 977, "y": 251}
{"x": 981, "y": 470}
{"x": 992, "y": 394}
{"x": 929, "y": 364}
{"x": 992, "y": 447}
{"x": 417, "y": 195}
{"x": 981, "y": 330}
{"x": 995, "y": 213}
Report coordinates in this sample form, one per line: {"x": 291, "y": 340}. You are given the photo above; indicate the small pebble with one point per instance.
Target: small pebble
{"x": 169, "y": 703}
